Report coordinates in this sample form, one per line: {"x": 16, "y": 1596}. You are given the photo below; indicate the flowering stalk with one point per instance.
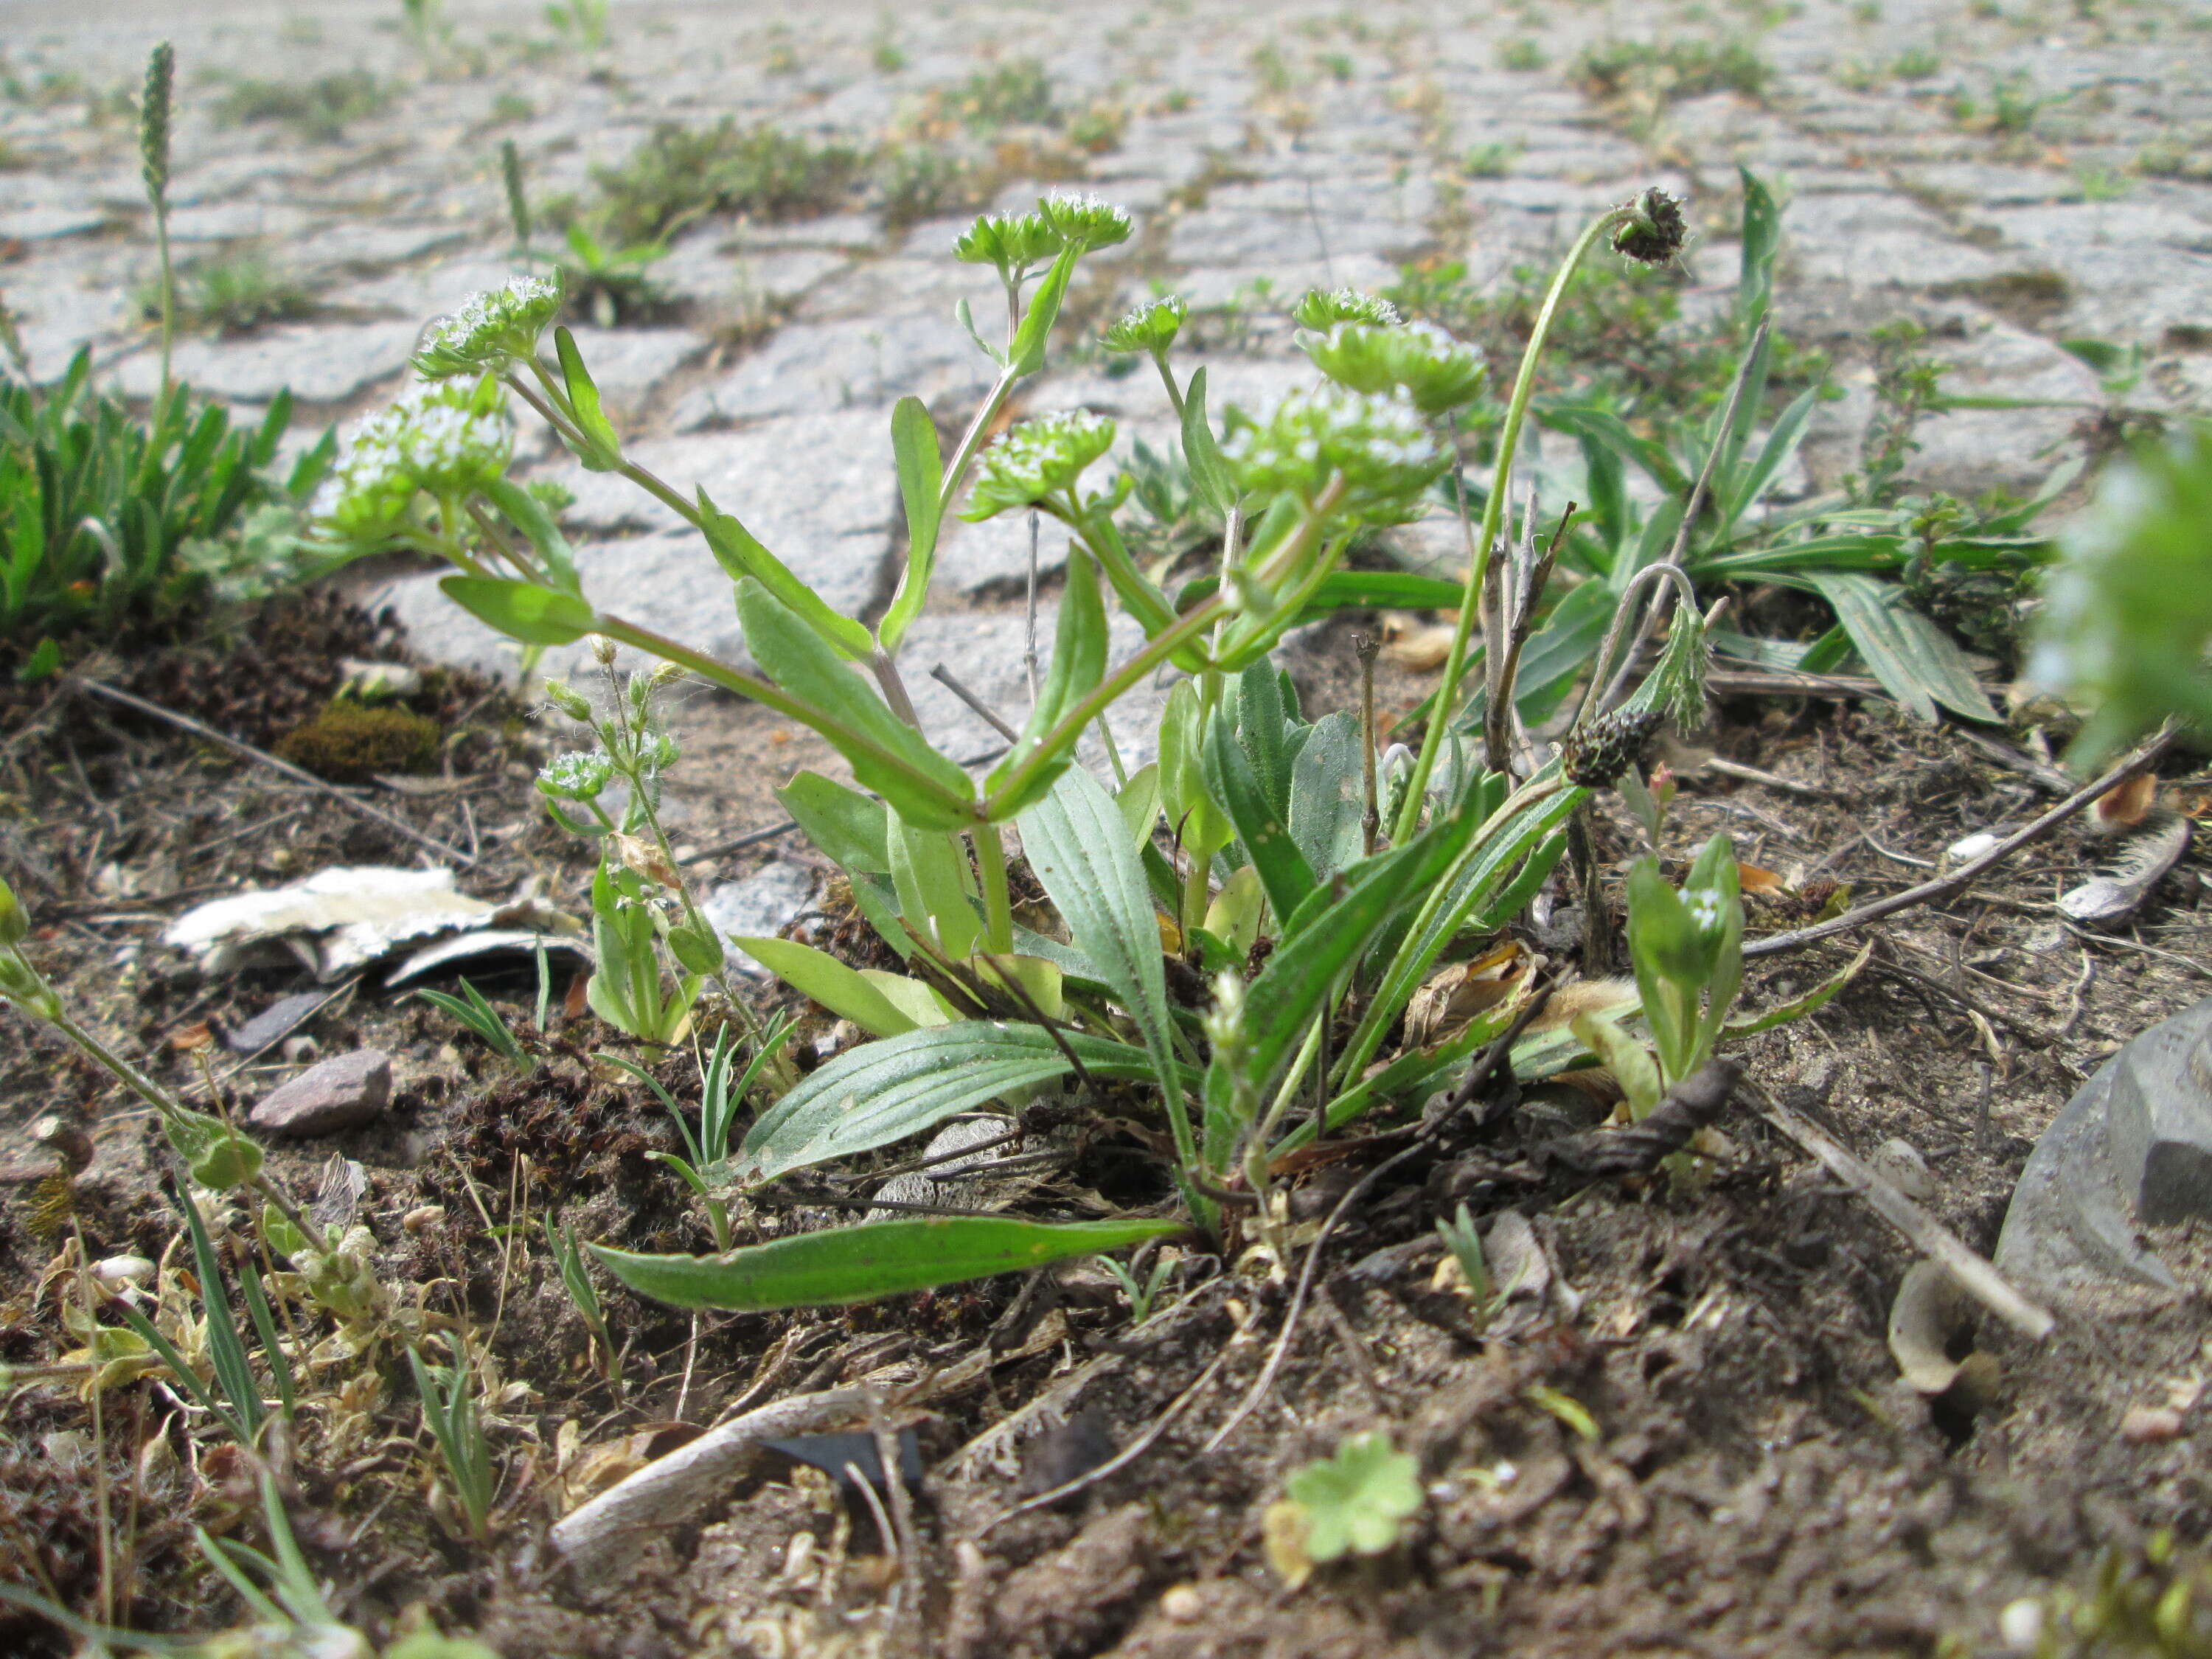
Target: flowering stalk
{"x": 1493, "y": 509}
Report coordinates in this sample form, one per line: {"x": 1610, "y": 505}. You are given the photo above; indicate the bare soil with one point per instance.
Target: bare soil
{"x": 1694, "y": 1441}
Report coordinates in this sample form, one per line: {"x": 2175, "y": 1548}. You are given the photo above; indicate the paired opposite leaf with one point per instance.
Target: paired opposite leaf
{"x": 741, "y": 554}
{"x": 856, "y": 1264}
{"x": 921, "y": 472}
{"x": 521, "y": 610}
{"x": 601, "y": 451}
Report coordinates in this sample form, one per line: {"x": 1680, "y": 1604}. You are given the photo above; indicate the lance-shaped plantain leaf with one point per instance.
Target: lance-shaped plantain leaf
{"x": 858, "y": 1264}
{"x": 883, "y": 1091}
{"x": 1913, "y": 658}
{"x": 1080, "y": 847}
{"x": 887, "y": 755}
{"x": 837, "y": 987}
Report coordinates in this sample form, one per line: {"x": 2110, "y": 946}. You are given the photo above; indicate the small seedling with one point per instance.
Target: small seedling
{"x": 1355, "y": 1502}
{"x": 607, "y": 284}
{"x": 722, "y": 1092}
{"x": 471, "y": 1009}
{"x": 576, "y": 1279}
{"x": 448, "y": 1394}
{"x": 582, "y": 22}
{"x": 1141, "y": 1297}
{"x": 1465, "y": 1244}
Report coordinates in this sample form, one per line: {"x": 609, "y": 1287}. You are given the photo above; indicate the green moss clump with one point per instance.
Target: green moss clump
{"x": 349, "y": 743}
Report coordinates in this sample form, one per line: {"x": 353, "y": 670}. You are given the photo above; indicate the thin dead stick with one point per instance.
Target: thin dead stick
{"x": 200, "y": 729}
{"x": 1922, "y": 1230}
{"x": 1128, "y": 1454}
{"x": 738, "y": 844}
{"x": 601, "y": 1538}
{"x": 1029, "y": 618}
{"x": 943, "y": 675}
{"x": 1959, "y": 880}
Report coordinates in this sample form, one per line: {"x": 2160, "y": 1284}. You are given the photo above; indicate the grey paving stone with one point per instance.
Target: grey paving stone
{"x": 321, "y": 362}
{"x": 627, "y": 364}
{"x": 1967, "y": 451}
{"x": 759, "y": 906}
{"x": 827, "y": 366}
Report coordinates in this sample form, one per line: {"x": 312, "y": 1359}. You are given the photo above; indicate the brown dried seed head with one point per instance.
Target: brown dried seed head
{"x": 1654, "y": 232}
{"x": 1595, "y": 753}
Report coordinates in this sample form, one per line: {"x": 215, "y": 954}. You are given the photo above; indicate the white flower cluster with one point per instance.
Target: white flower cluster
{"x": 447, "y": 439}
{"x": 493, "y": 328}
{"x": 1380, "y": 446}
{"x": 1091, "y": 221}
{"x": 1036, "y": 460}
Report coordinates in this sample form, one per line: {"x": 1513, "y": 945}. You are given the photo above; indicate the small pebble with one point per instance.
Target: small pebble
{"x": 1908, "y": 1171}
{"x": 302, "y": 1049}
{"x": 338, "y": 1094}
{"x": 1183, "y": 1604}
{"x": 123, "y": 1270}
{"x": 2020, "y": 1624}
{"x": 421, "y": 1216}
{"x": 2143, "y": 1425}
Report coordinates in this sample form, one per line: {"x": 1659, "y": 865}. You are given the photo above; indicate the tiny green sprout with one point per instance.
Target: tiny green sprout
{"x": 1323, "y": 308}
{"x": 1014, "y": 242}
{"x": 1037, "y": 461}
{"x": 471, "y": 1010}
{"x": 1091, "y": 222}
{"x": 1465, "y": 1244}
{"x": 494, "y": 328}
{"x": 1435, "y": 371}
{"x": 1379, "y": 447}
{"x": 449, "y": 1410}
{"x": 1357, "y": 1501}
{"x": 1151, "y": 326}
{"x": 1688, "y": 951}
{"x": 576, "y": 1279}
{"x": 1141, "y": 1297}
{"x": 1652, "y": 230}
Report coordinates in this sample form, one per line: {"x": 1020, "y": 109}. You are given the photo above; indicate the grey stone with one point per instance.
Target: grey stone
{"x": 369, "y": 245}
{"x": 758, "y": 905}
{"x": 38, "y": 224}
{"x": 1879, "y": 242}
{"x": 1967, "y": 451}
{"x": 321, "y": 364}
{"x": 811, "y": 367}
{"x": 993, "y": 555}
{"x": 338, "y": 1094}
{"x": 2133, "y": 1147}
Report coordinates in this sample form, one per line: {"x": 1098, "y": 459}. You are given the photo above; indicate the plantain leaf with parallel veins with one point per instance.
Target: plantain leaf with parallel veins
{"x": 843, "y": 1265}
{"x": 886, "y": 1090}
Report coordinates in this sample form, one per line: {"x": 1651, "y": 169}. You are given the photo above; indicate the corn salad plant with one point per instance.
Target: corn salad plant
{"x": 1311, "y": 888}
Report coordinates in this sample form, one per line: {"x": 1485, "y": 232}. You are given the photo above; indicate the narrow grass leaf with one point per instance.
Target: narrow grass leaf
{"x": 857, "y": 1264}
{"x": 224, "y": 1348}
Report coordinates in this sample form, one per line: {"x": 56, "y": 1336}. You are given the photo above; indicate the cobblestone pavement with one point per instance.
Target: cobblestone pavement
{"x": 2008, "y": 172}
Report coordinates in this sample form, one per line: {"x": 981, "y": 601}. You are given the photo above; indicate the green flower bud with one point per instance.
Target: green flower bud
{"x": 1654, "y": 230}
{"x": 20, "y": 985}
{"x": 218, "y": 1157}
{"x": 491, "y": 330}
{"x": 579, "y": 775}
{"x": 14, "y": 925}
{"x": 1324, "y": 309}
{"x": 1434, "y": 370}
{"x": 696, "y": 950}
{"x": 1012, "y": 241}
{"x": 1036, "y": 459}
{"x": 570, "y": 700}
{"x": 1090, "y": 223}
{"x": 1151, "y": 326}
{"x": 1380, "y": 446}
{"x": 282, "y": 1237}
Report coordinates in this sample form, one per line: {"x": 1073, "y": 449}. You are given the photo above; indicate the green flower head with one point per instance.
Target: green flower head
{"x": 1090, "y": 223}
{"x": 577, "y": 775}
{"x": 1038, "y": 459}
{"x": 1434, "y": 370}
{"x": 1322, "y": 308}
{"x": 449, "y": 437}
{"x": 1379, "y": 445}
{"x": 1012, "y": 241}
{"x": 490, "y": 331}
{"x": 1151, "y": 326}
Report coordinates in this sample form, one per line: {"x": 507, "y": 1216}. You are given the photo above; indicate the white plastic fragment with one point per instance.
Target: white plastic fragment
{"x": 342, "y": 919}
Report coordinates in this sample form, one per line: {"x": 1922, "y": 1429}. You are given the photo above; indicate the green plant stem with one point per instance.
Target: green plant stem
{"x": 168, "y": 295}
{"x": 991, "y": 868}
{"x": 772, "y": 695}
{"x": 972, "y": 439}
{"x": 1168, "y": 379}
{"x": 1509, "y": 438}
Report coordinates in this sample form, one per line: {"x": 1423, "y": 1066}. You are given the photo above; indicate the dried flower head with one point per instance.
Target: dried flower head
{"x": 1434, "y": 370}
{"x": 1090, "y": 223}
{"x": 1654, "y": 231}
{"x": 1038, "y": 459}
{"x": 1378, "y": 445}
{"x": 1012, "y": 241}
{"x": 1595, "y": 753}
{"x": 1151, "y": 326}
{"x": 491, "y": 330}
{"x": 1323, "y": 308}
